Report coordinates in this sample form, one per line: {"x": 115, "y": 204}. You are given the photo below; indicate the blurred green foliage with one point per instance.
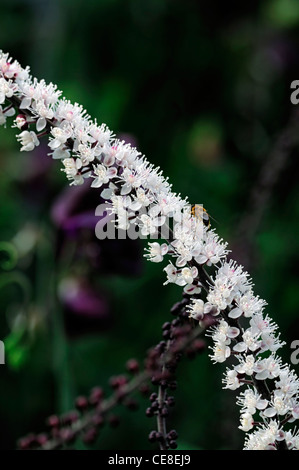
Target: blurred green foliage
{"x": 203, "y": 89}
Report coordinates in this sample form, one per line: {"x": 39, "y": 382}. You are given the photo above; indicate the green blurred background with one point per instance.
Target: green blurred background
{"x": 203, "y": 90}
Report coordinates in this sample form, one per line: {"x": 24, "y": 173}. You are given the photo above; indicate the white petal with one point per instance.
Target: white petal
{"x": 28, "y": 148}
{"x": 270, "y": 412}
{"x": 108, "y": 160}
{"x": 164, "y": 249}
{"x": 157, "y": 259}
{"x": 54, "y": 144}
{"x": 97, "y": 183}
{"x": 135, "y": 205}
{"x": 233, "y": 332}
{"x": 181, "y": 261}
{"x": 25, "y": 103}
{"x": 159, "y": 221}
{"x": 60, "y": 153}
{"x": 181, "y": 281}
{"x": 78, "y": 163}
{"x": 235, "y": 313}
{"x": 191, "y": 289}
{"x": 240, "y": 347}
{"x": 107, "y": 193}
{"x": 201, "y": 259}
{"x": 261, "y": 404}
{"x": 126, "y": 189}
{"x": 41, "y": 124}
{"x": 194, "y": 271}
{"x": 262, "y": 375}
{"x": 10, "y": 112}
{"x": 111, "y": 172}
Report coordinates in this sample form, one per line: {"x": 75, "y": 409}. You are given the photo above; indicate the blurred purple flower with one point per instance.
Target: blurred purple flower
{"x": 86, "y": 310}
{"x": 73, "y": 213}
{"x": 86, "y": 307}
{"x": 70, "y": 213}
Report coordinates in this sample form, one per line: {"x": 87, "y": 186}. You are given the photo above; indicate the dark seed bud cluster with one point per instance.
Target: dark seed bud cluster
{"x": 163, "y": 361}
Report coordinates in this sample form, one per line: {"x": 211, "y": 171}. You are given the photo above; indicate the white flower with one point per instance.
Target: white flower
{"x": 171, "y": 273}
{"x": 260, "y": 323}
{"x": 287, "y": 382}
{"x": 221, "y": 351}
{"x": 250, "y": 342}
{"x": 247, "y": 365}
{"x": 280, "y": 405}
{"x": 197, "y": 309}
{"x": 102, "y": 175}
{"x": 222, "y": 293}
{"x": 184, "y": 253}
{"x": 139, "y": 200}
{"x": 251, "y": 401}
{"x": 267, "y": 368}
{"x": 247, "y": 422}
{"x": 149, "y": 224}
{"x": 100, "y": 134}
{"x": 231, "y": 380}
{"x": 270, "y": 342}
{"x": 156, "y": 252}
{"x": 86, "y": 153}
{"x": 192, "y": 289}
{"x": 69, "y": 113}
{"x": 43, "y": 113}
{"x": 131, "y": 179}
{"x": 61, "y": 135}
{"x": 11, "y": 69}
{"x": 71, "y": 168}
{"x": 223, "y": 332}
{"x": 125, "y": 155}
{"x": 249, "y": 304}
{"x": 119, "y": 208}
{"x": 213, "y": 249}
{"x": 186, "y": 276}
{"x": 28, "y": 93}
{"x": 167, "y": 203}
{"x": 28, "y": 140}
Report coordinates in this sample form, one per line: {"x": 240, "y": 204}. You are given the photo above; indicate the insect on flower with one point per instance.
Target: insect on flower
{"x": 200, "y": 213}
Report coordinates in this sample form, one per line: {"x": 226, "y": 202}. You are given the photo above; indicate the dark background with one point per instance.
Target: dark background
{"x": 203, "y": 90}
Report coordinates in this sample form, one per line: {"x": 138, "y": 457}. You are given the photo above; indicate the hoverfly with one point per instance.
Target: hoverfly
{"x": 200, "y": 213}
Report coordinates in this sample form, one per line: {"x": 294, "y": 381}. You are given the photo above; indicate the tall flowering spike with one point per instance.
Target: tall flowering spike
{"x": 140, "y": 196}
